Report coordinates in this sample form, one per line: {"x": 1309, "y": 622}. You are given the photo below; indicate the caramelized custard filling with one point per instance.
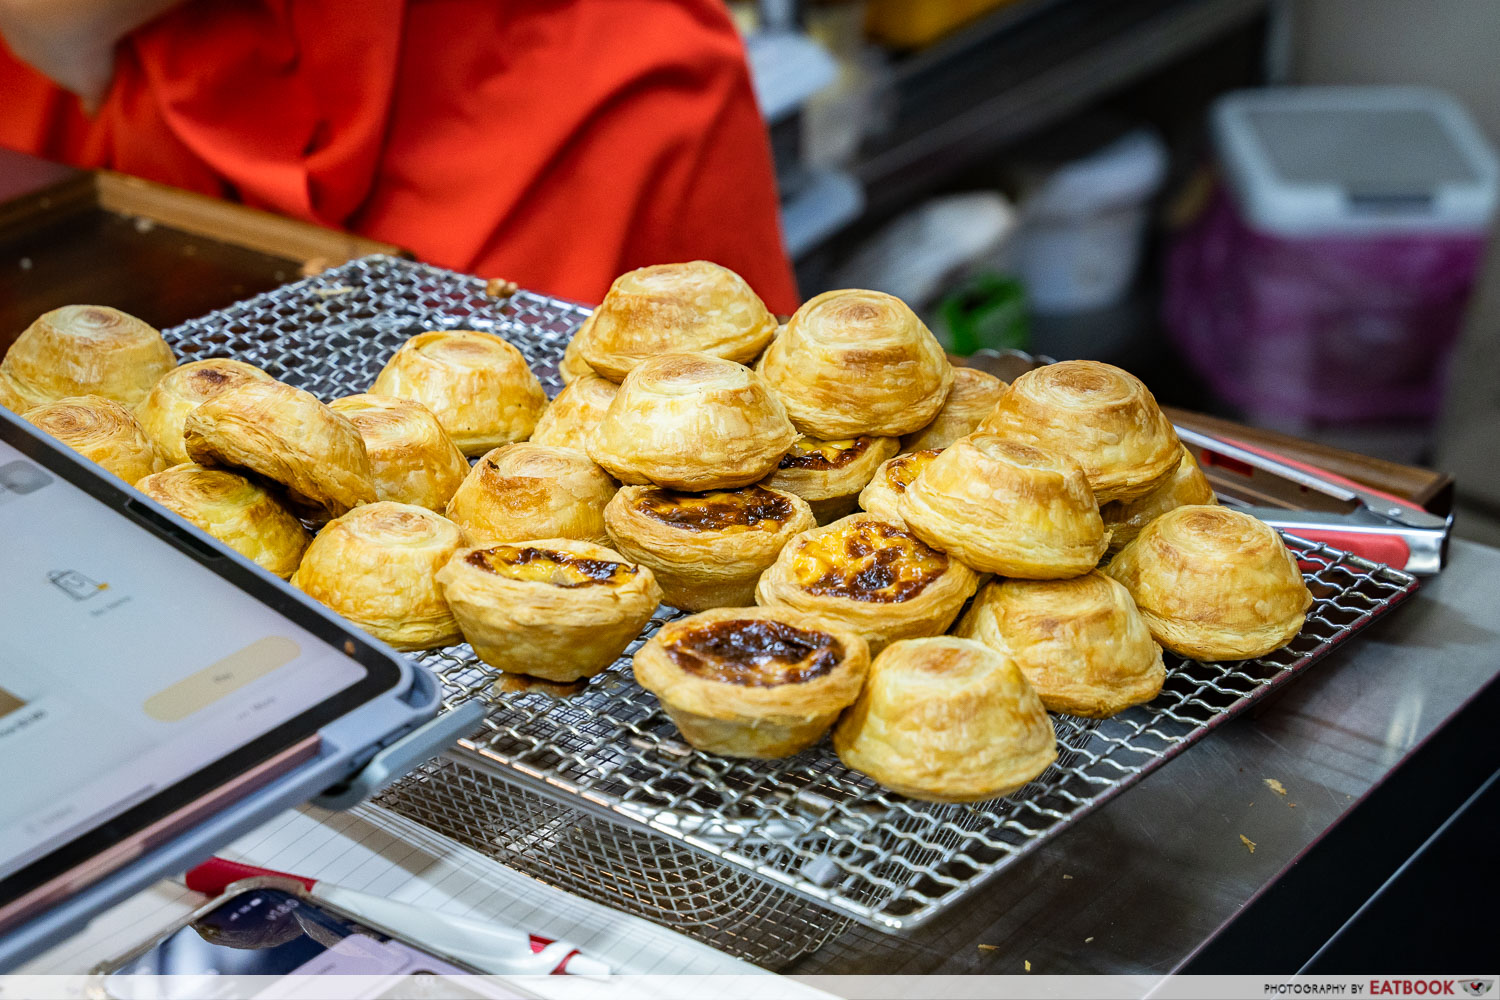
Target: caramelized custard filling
{"x": 561, "y": 569}
{"x": 755, "y": 653}
{"x": 730, "y": 512}
{"x": 816, "y": 455}
{"x": 868, "y": 561}
{"x": 903, "y": 470}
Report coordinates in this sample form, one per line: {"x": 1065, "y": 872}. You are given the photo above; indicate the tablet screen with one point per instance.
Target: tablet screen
{"x": 128, "y": 665}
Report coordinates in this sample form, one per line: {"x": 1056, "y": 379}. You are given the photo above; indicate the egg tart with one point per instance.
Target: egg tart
{"x": 830, "y": 474}
{"x": 706, "y": 549}
{"x": 856, "y": 362}
{"x": 871, "y": 576}
{"x": 1184, "y": 485}
{"x": 289, "y": 437}
{"x": 1007, "y": 508}
{"x": 1081, "y": 642}
{"x": 377, "y": 566}
{"x": 177, "y": 393}
{"x": 972, "y": 397}
{"x": 234, "y": 510}
{"x": 946, "y": 720}
{"x": 412, "y": 459}
{"x": 83, "y": 351}
{"x": 692, "y": 422}
{"x": 891, "y": 480}
{"x": 555, "y": 608}
{"x": 102, "y": 431}
{"x": 572, "y": 365}
{"x": 572, "y": 416}
{"x": 1104, "y": 418}
{"x": 695, "y": 307}
{"x": 753, "y": 682}
{"x": 1214, "y": 583}
{"x": 479, "y": 386}
{"x": 527, "y": 490}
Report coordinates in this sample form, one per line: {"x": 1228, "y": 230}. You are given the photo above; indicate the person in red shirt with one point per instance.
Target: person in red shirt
{"x": 556, "y": 143}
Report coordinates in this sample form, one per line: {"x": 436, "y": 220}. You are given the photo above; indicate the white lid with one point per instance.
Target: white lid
{"x": 1305, "y": 161}
{"x": 1125, "y": 172}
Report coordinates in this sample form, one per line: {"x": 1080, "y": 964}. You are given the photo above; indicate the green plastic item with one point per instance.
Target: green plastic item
{"x": 988, "y": 310}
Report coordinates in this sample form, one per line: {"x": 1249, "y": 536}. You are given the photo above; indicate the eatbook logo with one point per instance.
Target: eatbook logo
{"x": 1477, "y": 987}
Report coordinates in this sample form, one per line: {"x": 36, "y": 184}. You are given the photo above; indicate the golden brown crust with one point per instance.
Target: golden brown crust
{"x": 753, "y": 682}
{"x": 572, "y": 416}
{"x": 972, "y": 398}
{"x": 872, "y": 576}
{"x": 478, "y": 385}
{"x": 706, "y": 549}
{"x": 83, "y": 351}
{"x": 572, "y": 366}
{"x": 412, "y": 459}
{"x": 692, "y": 422}
{"x": 891, "y": 480}
{"x": 102, "y": 431}
{"x": 1102, "y": 417}
{"x": 528, "y": 490}
{"x": 1184, "y": 485}
{"x": 288, "y": 436}
{"x": 855, "y": 362}
{"x": 946, "y": 720}
{"x": 1081, "y": 642}
{"x": 830, "y": 474}
{"x": 1007, "y": 508}
{"x": 696, "y": 307}
{"x": 377, "y": 566}
{"x": 177, "y": 393}
{"x": 1214, "y": 584}
{"x": 235, "y": 511}
{"x": 553, "y": 608}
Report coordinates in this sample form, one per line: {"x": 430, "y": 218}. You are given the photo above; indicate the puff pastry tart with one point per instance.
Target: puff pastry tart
{"x": 1081, "y": 642}
{"x": 528, "y": 490}
{"x": 1103, "y": 417}
{"x": 973, "y": 396}
{"x": 1184, "y": 485}
{"x": 694, "y": 307}
{"x": 830, "y": 474}
{"x": 377, "y": 566}
{"x": 856, "y": 362}
{"x": 556, "y": 608}
{"x": 706, "y": 549}
{"x": 479, "y": 386}
{"x": 692, "y": 422}
{"x": 578, "y": 409}
{"x": 871, "y": 576}
{"x": 753, "y": 682}
{"x": 1007, "y": 508}
{"x": 1214, "y": 583}
{"x": 891, "y": 480}
{"x": 102, "y": 431}
{"x": 235, "y": 511}
{"x": 412, "y": 459}
{"x": 572, "y": 365}
{"x": 83, "y": 351}
{"x": 177, "y": 393}
{"x": 288, "y": 436}
{"x": 946, "y": 720}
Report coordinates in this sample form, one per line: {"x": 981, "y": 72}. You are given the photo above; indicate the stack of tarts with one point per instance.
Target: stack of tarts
{"x": 922, "y": 560}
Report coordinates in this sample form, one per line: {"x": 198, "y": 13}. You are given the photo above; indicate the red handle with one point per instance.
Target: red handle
{"x": 213, "y": 876}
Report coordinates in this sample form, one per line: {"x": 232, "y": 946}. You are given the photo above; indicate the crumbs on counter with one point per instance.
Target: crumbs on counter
{"x": 1275, "y": 786}
{"x": 499, "y": 288}
{"x": 988, "y": 947}
{"x": 1028, "y": 966}
{"x": 1248, "y": 843}
{"x": 1067, "y": 876}
{"x": 1088, "y": 939}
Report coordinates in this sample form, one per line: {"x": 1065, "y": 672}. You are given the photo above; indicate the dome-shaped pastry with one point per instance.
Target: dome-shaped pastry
{"x": 830, "y": 474}
{"x": 946, "y": 720}
{"x": 1007, "y": 508}
{"x": 412, "y": 459}
{"x": 177, "y": 393}
{"x": 528, "y": 490}
{"x": 83, "y": 351}
{"x": 891, "y": 480}
{"x": 1081, "y": 642}
{"x": 1184, "y": 485}
{"x": 102, "y": 431}
{"x": 857, "y": 362}
{"x": 477, "y": 385}
{"x": 692, "y": 422}
{"x": 1214, "y": 584}
{"x": 572, "y": 365}
{"x": 972, "y": 397}
{"x": 578, "y": 409}
{"x": 696, "y": 307}
{"x": 235, "y": 511}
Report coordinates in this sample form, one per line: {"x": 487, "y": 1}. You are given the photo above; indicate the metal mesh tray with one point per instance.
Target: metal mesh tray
{"x": 806, "y": 824}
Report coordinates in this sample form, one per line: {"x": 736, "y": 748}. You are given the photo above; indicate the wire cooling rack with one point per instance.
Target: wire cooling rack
{"x": 597, "y": 794}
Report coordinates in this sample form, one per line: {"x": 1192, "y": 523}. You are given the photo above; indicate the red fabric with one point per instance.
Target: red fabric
{"x": 556, "y": 143}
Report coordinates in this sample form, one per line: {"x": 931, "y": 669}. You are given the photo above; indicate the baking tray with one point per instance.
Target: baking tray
{"x": 597, "y": 794}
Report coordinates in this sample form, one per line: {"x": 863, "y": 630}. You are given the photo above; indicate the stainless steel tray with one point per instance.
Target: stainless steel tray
{"x": 597, "y": 793}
